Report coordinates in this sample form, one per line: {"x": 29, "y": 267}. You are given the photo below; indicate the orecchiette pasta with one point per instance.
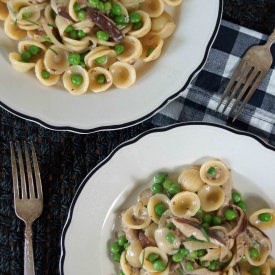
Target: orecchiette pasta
{"x": 105, "y": 38}
{"x": 188, "y": 227}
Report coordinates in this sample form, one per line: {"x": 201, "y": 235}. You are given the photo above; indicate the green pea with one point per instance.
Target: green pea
{"x": 122, "y": 240}
{"x": 74, "y": 58}
{"x": 116, "y": 9}
{"x": 174, "y": 189}
{"x": 193, "y": 255}
{"x": 101, "y": 60}
{"x": 183, "y": 251}
{"x": 77, "y": 79}
{"x": 178, "y": 257}
{"x": 273, "y": 271}
{"x": 242, "y": 205}
{"x": 167, "y": 184}
{"x": 73, "y": 34}
{"x": 121, "y": 273}
{"x": 236, "y": 197}
{"x": 93, "y": 3}
{"x": 69, "y": 28}
{"x": 217, "y": 220}
{"x": 101, "y": 6}
{"x": 206, "y": 225}
{"x": 101, "y": 79}
{"x": 45, "y": 74}
{"x": 200, "y": 212}
{"x": 135, "y": 17}
{"x": 157, "y": 188}
{"x": 26, "y": 15}
{"x": 189, "y": 266}
{"x": 201, "y": 252}
{"x": 102, "y": 35}
{"x": 116, "y": 257}
{"x": 265, "y": 217}
{"x": 243, "y": 259}
{"x": 212, "y": 266}
{"x": 159, "y": 265}
{"x": 170, "y": 225}
{"x": 170, "y": 238}
{"x": 81, "y": 34}
{"x": 107, "y": 7}
{"x": 212, "y": 171}
{"x": 82, "y": 64}
{"x": 119, "y": 49}
{"x": 120, "y": 20}
{"x": 149, "y": 51}
{"x": 255, "y": 270}
{"x": 115, "y": 248}
{"x": 152, "y": 257}
{"x": 34, "y": 50}
{"x": 230, "y": 214}
{"x": 81, "y": 15}
{"x": 159, "y": 209}
{"x": 137, "y": 26}
{"x": 76, "y": 7}
{"x": 26, "y": 56}
{"x": 253, "y": 253}
{"x": 207, "y": 218}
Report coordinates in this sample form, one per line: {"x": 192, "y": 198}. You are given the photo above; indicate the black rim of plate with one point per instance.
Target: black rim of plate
{"x": 132, "y": 141}
{"x": 134, "y": 122}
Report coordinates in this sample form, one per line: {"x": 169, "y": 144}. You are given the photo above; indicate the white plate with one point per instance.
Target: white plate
{"x": 114, "y": 184}
{"x": 184, "y": 55}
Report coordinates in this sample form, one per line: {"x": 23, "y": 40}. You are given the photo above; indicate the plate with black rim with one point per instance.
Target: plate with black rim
{"x": 115, "y": 183}
{"x": 184, "y": 54}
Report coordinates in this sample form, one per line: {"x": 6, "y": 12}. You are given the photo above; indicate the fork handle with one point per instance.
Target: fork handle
{"x": 28, "y": 255}
{"x": 271, "y": 39}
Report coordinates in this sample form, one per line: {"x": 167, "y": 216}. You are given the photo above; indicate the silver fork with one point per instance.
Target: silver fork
{"x": 28, "y": 197}
{"x": 250, "y": 72}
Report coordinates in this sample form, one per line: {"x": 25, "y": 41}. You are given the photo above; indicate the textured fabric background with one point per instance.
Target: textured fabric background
{"x": 66, "y": 158}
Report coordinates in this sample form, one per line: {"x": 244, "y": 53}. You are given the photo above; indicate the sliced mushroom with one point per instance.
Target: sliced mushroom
{"x": 145, "y": 240}
{"x": 190, "y": 228}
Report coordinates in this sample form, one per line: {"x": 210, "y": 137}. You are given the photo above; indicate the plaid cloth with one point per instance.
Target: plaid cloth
{"x": 199, "y": 101}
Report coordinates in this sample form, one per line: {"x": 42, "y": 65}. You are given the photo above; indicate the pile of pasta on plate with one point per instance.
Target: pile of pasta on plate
{"x": 90, "y": 44}
{"x": 196, "y": 224}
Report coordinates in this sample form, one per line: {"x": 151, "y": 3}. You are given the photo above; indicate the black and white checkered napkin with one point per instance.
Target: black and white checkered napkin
{"x": 199, "y": 101}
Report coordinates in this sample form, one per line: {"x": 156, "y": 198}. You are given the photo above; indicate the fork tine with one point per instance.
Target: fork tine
{"x": 29, "y": 172}
{"x": 243, "y": 91}
{"x": 22, "y": 173}
{"x": 250, "y": 94}
{"x": 37, "y": 174}
{"x": 231, "y": 82}
{"x": 14, "y": 172}
{"x": 244, "y": 74}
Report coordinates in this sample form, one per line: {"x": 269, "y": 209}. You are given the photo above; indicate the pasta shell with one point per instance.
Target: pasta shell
{"x": 136, "y": 217}
{"x": 144, "y": 196}
{"x": 71, "y": 10}
{"x": 245, "y": 269}
{"x": 185, "y": 204}
{"x": 271, "y": 264}
{"x": 151, "y": 49}
{"x": 221, "y": 175}
{"x": 212, "y": 254}
{"x": 25, "y": 44}
{"x": 39, "y": 67}
{"x": 4, "y": 13}
{"x": 73, "y": 89}
{"x": 124, "y": 74}
{"x": 19, "y": 65}
{"x": 163, "y": 219}
{"x": 254, "y": 219}
{"x": 190, "y": 180}
{"x": 163, "y": 26}
{"x": 56, "y": 60}
{"x": 153, "y": 7}
{"x": 146, "y": 20}
{"x": 211, "y": 197}
{"x": 147, "y": 265}
{"x": 88, "y": 59}
{"x": 94, "y": 85}
{"x": 194, "y": 245}
{"x": 154, "y": 200}
{"x": 150, "y": 231}
{"x": 91, "y": 58}
{"x": 133, "y": 252}
{"x": 132, "y": 49}
{"x": 12, "y": 30}
{"x": 163, "y": 244}
{"x": 172, "y": 3}
{"x": 125, "y": 267}
{"x": 48, "y": 15}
